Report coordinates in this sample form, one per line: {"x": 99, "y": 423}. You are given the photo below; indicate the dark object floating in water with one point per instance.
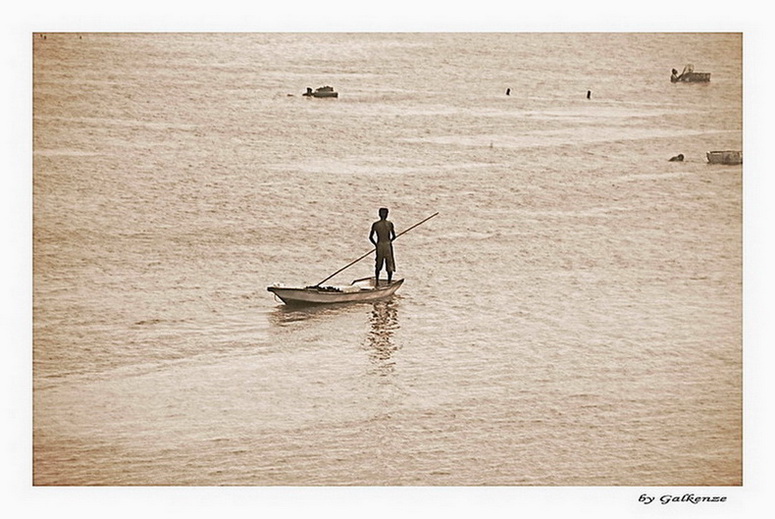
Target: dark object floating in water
{"x": 677, "y": 158}
{"x": 729, "y": 157}
{"x": 324, "y": 91}
{"x": 689, "y": 76}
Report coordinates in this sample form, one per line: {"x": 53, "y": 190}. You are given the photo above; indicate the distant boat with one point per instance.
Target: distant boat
{"x": 324, "y": 91}
{"x": 360, "y": 290}
{"x": 689, "y": 76}
{"x": 729, "y": 157}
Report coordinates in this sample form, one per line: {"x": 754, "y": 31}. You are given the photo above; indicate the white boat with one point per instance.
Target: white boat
{"x": 360, "y": 290}
{"x": 730, "y": 157}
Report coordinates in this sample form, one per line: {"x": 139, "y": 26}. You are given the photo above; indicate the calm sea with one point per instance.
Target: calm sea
{"x": 571, "y": 317}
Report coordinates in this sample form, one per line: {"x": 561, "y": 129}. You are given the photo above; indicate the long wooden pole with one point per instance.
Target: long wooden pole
{"x": 372, "y": 250}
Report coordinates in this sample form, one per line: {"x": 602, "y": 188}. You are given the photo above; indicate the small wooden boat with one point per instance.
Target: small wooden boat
{"x": 689, "y": 76}
{"x": 324, "y": 91}
{"x": 360, "y": 290}
{"x": 729, "y": 157}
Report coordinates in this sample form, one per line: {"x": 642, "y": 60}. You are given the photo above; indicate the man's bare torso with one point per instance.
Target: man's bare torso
{"x": 383, "y": 229}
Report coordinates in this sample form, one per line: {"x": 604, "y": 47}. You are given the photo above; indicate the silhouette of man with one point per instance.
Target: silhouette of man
{"x": 385, "y": 232}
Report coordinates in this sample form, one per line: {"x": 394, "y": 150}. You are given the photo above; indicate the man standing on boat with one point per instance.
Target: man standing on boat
{"x": 384, "y": 244}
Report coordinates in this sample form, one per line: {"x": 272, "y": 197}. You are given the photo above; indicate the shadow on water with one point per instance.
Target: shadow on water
{"x": 379, "y": 341}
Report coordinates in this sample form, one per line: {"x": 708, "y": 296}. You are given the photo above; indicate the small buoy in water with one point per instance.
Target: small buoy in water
{"x": 677, "y": 158}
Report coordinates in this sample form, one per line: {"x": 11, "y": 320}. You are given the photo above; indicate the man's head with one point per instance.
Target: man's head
{"x": 383, "y": 212}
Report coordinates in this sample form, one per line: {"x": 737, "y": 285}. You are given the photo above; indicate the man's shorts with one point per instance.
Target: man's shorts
{"x": 385, "y": 255}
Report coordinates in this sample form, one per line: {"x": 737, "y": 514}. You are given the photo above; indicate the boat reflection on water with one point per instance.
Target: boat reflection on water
{"x": 379, "y": 342}
{"x": 284, "y": 315}
{"x": 380, "y": 345}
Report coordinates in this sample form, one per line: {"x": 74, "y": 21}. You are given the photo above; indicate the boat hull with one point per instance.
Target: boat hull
{"x": 325, "y": 91}
{"x": 361, "y": 290}
{"x": 728, "y": 157}
{"x": 692, "y": 77}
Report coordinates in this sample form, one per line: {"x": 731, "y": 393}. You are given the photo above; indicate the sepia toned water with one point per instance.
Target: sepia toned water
{"x": 571, "y": 317}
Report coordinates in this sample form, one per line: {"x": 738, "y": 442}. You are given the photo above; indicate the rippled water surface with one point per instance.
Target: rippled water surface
{"x": 571, "y": 317}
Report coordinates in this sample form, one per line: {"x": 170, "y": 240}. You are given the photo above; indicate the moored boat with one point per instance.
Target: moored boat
{"x": 324, "y": 91}
{"x": 729, "y": 157}
{"x": 360, "y": 290}
{"x": 689, "y": 76}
